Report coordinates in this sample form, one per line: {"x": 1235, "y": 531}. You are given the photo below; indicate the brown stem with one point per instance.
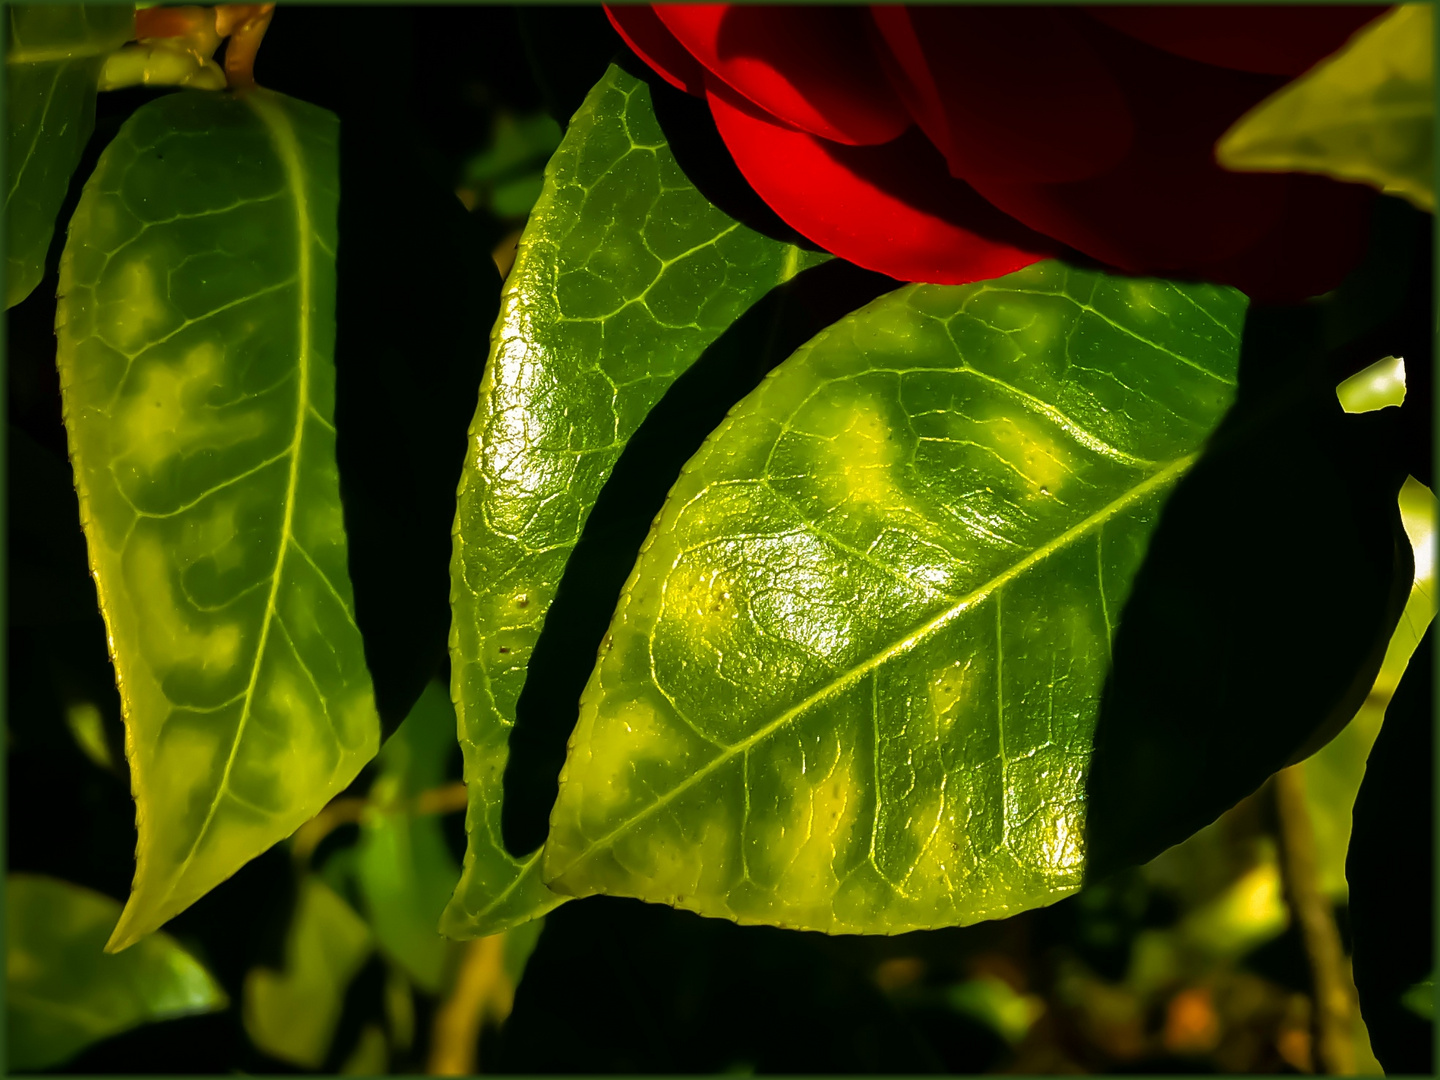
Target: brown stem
{"x": 481, "y": 989}
{"x": 245, "y": 25}
{"x": 349, "y": 810}
{"x": 1333, "y": 1024}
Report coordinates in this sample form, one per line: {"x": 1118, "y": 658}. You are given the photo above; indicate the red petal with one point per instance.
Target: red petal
{"x": 1295, "y": 259}
{"x": 646, "y": 34}
{"x": 1009, "y": 94}
{"x": 888, "y": 208}
{"x": 809, "y": 67}
{"x": 1267, "y": 40}
{"x": 1167, "y": 206}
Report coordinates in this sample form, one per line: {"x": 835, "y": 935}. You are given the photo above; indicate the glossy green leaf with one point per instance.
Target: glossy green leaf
{"x": 53, "y": 59}
{"x": 195, "y": 344}
{"x": 853, "y": 680}
{"x": 63, "y": 992}
{"x": 1367, "y": 113}
{"x": 625, "y": 273}
{"x": 403, "y": 866}
{"x": 1380, "y": 385}
{"x": 292, "y": 1014}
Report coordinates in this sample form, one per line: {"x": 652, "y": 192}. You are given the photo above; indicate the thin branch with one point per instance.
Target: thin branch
{"x": 349, "y": 810}
{"x": 1333, "y": 988}
{"x": 481, "y": 991}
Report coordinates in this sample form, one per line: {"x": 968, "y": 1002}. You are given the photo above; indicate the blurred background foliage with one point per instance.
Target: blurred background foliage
{"x": 1228, "y": 953}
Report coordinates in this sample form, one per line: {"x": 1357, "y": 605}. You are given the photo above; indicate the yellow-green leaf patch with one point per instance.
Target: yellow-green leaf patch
{"x": 625, "y": 274}
{"x": 196, "y": 331}
{"x": 854, "y": 677}
{"x": 1367, "y": 113}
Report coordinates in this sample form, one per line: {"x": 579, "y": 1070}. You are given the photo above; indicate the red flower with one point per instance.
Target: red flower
{"x": 954, "y": 144}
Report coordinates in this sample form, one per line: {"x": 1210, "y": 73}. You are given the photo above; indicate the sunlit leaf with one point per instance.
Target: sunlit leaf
{"x": 1334, "y": 773}
{"x": 403, "y": 867}
{"x": 63, "y": 992}
{"x": 1380, "y": 385}
{"x": 292, "y": 1014}
{"x": 53, "y": 58}
{"x": 1365, "y": 114}
{"x": 625, "y": 274}
{"x": 195, "y": 347}
{"x": 853, "y": 680}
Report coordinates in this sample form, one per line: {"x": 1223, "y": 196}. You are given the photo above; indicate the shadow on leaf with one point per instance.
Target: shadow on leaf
{"x": 1260, "y": 616}
{"x": 771, "y": 330}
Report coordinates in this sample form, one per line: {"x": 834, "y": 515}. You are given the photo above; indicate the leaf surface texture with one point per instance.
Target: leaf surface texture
{"x": 625, "y": 273}
{"x": 196, "y": 331}
{"x": 853, "y": 680}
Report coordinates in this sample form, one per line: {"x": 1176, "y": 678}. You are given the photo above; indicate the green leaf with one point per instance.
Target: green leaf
{"x": 403, "y": 867}
{"x": 625, "y": 274}
{"x": 1222, "y": 670}
{"x": 62, "y": 992}
{"x": 1420, "y": 999}
{"x": 53, "y": 60}
{"x": 1367, "y": 113}
{"x": 371, "y": 1056}
{"x": 196, "y": 330}
{"x": 292, "y": 1014}
{"x": 1380, "y": 385}
{"x": 1334, "y": 773}
{"x": 854, "y": 677}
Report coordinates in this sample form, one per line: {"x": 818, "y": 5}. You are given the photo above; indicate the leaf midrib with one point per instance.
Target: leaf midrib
{"x": 848, "y": 678}
{"x": 282, "y": 136}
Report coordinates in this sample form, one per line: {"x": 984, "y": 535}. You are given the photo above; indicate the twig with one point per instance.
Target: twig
{"x": 481, "y": 990}
{"x": 349, "y": 810}
{"x": 1333, "y": 1024}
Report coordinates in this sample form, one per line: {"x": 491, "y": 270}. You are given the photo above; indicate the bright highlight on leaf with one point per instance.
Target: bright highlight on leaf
{"x": 854, "y": 677}
{"x": 196, "y": 331}
{"x": 53, "y": 59}
{"x": 1366, "y": 114}
{"x": 63, "y": 993}
{"x": 625, "y": 274}
{"x": 1378, "y": 386}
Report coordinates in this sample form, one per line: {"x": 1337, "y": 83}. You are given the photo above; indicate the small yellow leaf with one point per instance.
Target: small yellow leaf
{"x": 1364, "y": 114}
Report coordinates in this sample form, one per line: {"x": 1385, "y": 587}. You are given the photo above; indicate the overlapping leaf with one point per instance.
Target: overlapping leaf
{"x": 625, "y": 274}
{"x": 196, "y": 330}
{"x": 854, "y": 677}
{"x": 53, "y": 58}
{"x": 404, "y": 869}
{"x": 292, "y": 1014}
{"x": 1367, "y": 113}
{"x": 63, "y": 993}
